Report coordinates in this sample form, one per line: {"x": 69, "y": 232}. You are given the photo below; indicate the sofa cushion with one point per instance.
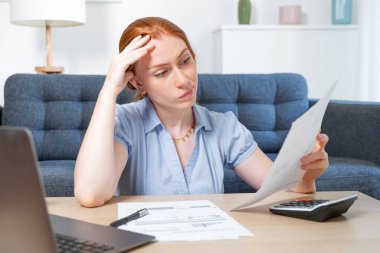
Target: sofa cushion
{"x": 343, "y": 174}
{"x": 347, "y": 174}
{"x": 266, "y": 104}
{"x": 56, "y": 108}
{"x": 58, "y": 177}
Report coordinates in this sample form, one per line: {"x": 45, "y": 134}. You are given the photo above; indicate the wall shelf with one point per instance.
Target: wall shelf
{"x": 284, "y": 27}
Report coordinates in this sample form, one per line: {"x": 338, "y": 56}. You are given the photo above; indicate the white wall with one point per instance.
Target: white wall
{"x": 88, "y": 49}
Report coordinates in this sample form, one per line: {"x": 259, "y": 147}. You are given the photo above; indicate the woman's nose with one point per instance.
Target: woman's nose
{"x": 181, "y": 81}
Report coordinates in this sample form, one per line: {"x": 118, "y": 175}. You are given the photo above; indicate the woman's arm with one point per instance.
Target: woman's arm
{"x": 101, "y": 160}
{"x": 254, "y": 170}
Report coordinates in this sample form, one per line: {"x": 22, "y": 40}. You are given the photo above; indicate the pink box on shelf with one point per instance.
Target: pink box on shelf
{"x": 290, "y": 15}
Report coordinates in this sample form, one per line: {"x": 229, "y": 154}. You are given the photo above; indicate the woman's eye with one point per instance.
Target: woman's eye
{"x": 186, "y": 60}
{"x": 160, "y": 74}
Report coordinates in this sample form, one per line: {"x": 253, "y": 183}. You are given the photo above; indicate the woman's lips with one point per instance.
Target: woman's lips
{"x": 187, "y": 93}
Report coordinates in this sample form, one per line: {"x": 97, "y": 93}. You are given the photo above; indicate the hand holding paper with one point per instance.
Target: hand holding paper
{"x": 315, "y": 163}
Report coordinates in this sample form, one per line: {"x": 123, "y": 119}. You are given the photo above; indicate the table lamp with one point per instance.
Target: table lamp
{"x": 48, "y": 13}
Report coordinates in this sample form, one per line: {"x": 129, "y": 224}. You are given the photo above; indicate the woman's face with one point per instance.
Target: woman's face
{"x": 168, "y": 73}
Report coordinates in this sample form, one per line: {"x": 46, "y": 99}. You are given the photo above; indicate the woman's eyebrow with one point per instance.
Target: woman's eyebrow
{"x": 163, "y": 64}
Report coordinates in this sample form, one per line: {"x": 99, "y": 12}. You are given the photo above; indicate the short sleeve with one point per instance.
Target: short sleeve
{"x": 239, "y": 143}
{"x": 123, "y": 131}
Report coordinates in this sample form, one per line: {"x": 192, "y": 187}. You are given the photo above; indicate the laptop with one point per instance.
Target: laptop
{"x": 26, "y": 226}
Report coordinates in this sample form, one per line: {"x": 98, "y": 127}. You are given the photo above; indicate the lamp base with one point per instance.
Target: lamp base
{"x": 49, "y": 70}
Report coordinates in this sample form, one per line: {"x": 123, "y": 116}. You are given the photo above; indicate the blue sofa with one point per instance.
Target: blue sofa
{"x": 57, "y": 109}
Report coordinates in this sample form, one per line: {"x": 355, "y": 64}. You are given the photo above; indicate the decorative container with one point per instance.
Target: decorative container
{"x": 341, "y": 12}
{"x": 290, "y": 15}
{"x": 244, "y": 12}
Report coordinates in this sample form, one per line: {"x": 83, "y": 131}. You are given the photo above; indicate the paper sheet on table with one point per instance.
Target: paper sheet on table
{"x": 285, "y": 172}
{"x": 182, "y": 221}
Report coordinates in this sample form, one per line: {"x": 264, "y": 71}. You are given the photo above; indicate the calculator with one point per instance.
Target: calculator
{"x": 314, "y": 209}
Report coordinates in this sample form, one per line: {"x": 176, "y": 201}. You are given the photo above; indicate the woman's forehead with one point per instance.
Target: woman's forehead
{"x": 165, "y": 49}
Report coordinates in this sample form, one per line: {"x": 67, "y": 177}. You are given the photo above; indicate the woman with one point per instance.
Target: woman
{"x": 166, "y": 143}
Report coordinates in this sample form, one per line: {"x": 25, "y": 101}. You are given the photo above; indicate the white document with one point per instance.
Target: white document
{"x": 286, "y": 172}
{"x": 182, "y": 221}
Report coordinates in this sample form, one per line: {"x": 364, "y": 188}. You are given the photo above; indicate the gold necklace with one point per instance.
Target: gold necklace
{"x": 185, "y": 137}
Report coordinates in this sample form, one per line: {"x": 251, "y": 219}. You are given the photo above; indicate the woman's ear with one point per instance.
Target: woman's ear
{"x": 137, "y": 84}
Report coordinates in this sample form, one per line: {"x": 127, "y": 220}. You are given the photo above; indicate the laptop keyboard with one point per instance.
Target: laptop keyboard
{"x": 66, "y": 244}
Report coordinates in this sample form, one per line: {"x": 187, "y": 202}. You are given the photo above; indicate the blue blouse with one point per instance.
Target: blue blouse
{"x": 153, "y": 165}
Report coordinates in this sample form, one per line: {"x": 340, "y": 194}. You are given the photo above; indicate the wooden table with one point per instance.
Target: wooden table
{"x": 357, "y": 231}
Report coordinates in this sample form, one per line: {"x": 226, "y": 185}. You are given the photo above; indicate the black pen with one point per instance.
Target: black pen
{"x": 134, "y": 216}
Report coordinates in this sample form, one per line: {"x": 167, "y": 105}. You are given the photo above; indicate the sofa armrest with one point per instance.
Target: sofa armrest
{"x": 353, "y": 128}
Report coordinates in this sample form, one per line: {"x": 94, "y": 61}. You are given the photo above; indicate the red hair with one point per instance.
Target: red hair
{"x": 154, "y": 27}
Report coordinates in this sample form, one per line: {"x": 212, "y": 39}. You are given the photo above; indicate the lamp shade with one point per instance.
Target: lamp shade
{"x": 48, "y": 12}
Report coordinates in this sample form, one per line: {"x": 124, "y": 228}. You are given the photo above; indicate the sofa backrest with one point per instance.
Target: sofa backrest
{"x": 57, "y": 108}
{"x": 266, "y": 104}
